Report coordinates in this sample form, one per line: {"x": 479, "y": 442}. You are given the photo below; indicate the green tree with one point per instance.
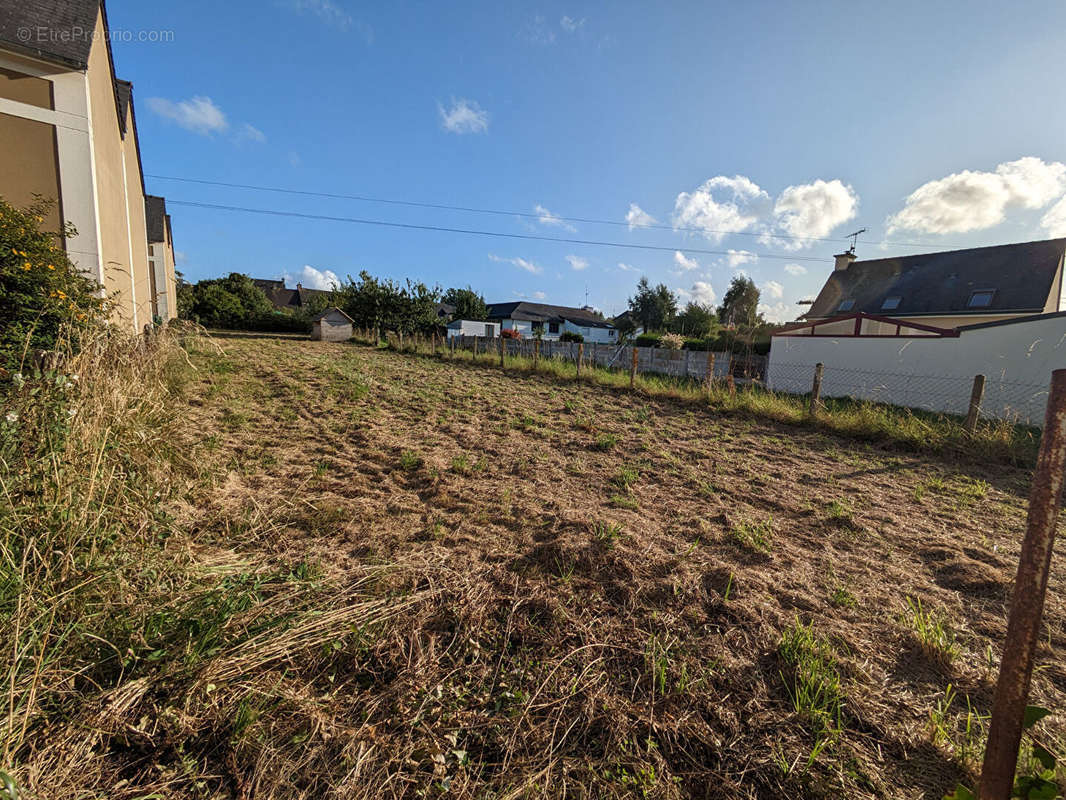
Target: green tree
{"x": 740, "y": 306}
{"x": 468, "y": 304}
{"x": 653, "y": 307}
{"x": 697, "y": 321}
{"x": 230, "y": 302}
{"x": 44, "y": 297}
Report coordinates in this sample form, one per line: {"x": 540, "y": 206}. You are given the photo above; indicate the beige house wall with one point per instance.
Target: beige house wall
{"x": 141, "y": 299}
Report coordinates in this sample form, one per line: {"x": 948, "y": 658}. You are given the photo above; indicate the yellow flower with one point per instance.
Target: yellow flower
{"x": 50, "y": 266}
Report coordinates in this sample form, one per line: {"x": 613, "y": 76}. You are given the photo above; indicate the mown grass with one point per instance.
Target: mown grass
{"x": 909, "y": 429}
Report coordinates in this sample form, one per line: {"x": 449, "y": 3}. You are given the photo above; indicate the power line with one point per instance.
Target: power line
{"x": 504, "y": 213}
{"x": 474, "y": 232}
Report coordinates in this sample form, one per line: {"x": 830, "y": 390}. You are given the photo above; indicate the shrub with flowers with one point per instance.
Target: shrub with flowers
{"x": 511, "y": 333}
{"x": 672, "y": 341}
{"x": 44, "y": 298}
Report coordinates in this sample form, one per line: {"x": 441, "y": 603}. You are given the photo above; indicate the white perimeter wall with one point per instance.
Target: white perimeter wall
{"x": 934, "y": 374}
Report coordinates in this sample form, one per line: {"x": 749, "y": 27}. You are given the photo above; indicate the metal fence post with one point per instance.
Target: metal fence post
{"x": 633, "y": 368}
{"x": 816, "y": 389}
{"x": 1027, "y": 605}
{"x": 976, "y": 396}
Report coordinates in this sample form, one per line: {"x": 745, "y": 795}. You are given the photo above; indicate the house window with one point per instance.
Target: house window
{"x": 846, "y": 305}
{"x": 553, "y": 327}
{"x": 611, "y": 333}
{"x": 982, "y": 298}
{"x": 538, "y": 327}
{"x": 891, "y": 303}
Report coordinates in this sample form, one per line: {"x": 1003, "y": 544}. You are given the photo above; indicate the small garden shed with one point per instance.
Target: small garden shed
{"x": 332, "y": 325}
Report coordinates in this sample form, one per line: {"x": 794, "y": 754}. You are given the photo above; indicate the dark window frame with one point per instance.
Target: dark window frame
{"x": 989, "y": 293}
{"x": 885, "y": 304}
{"x": 846, "y": 305}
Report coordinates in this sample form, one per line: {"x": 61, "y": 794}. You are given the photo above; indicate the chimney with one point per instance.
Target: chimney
{"x": 844, "y": 260}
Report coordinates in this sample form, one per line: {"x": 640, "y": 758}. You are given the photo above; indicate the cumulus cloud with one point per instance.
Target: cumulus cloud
{"x": 577, "y": 262}
{"x": 521, "y": 263}
{"x": 326, "y": 10}
{"x": 1055, "y": 219}
{"x": 250, "y": 133}
{"x": 637, "y": 217}
{"x": 684, "y": 262}
{"x": 571, "y": 25}
{"x": 778, "y": 312}
{"x": 627, "y": 267}
{"x": 701, "y": 292}
{"x": 737, "y": 258}
{"x": 795, "y": 269}
{"x": 463, "y": 116}
{"x": 973, "y": 200}
{"x": 773, "y": 289}
{"x": 813, "y": 210}
{"x": 198, "y": 114}
{"x": 530, "y": 296}
{"x": 545, "y": 217}
{"x": 720, "y": 206}
{"x": 311, "y": 278}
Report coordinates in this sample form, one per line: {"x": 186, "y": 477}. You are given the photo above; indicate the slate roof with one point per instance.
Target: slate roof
{"x": 61, "y": 30}
{"x": 123, "y": 93}
{"x": 941, "y": 283}
{"x": 542, "y": 312}
{"x": 155, "y": 215}
{"x": 286, "y": 298}
{"x": 329, "y": 311}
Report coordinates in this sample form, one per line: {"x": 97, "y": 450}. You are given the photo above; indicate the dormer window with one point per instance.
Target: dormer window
{"x": 846, "y": 305}
{"x": 982, "y": 298}
{"x": 891, "y": 303}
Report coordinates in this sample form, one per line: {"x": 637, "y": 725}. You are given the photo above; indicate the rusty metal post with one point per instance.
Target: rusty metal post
{"x": 580, "y": 355}
{"x": 633, "y": 368}
{"x": 976, "y": 396}
{"x": 1027, "y": 605}
{"x": 816, "y": 389}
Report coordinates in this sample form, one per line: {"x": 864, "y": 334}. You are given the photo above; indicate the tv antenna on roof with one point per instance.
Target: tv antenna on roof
{"x": 586, "y": 295}
{"x": 854, "y": 239}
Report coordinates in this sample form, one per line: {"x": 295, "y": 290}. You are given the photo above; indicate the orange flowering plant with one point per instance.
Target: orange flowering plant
{"x": 44, "y": 298}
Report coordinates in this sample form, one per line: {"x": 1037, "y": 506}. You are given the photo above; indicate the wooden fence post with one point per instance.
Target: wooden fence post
{"x": 633, "y": 368}
{"x": 816, "y": 389}
{"x": 536, "y": 353}
{"x": 710, "y": 369}
{"x": 732, "y": 384}
{"x": 580, "y": 355}
{"x": 503, "y": 349}
{"x": 976, "y": 396}
{"x": 688, "y": 353}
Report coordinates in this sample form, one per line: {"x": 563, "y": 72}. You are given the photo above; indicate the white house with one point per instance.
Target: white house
{"x": 550, "y": 322}
{"x": 469, "y": 327}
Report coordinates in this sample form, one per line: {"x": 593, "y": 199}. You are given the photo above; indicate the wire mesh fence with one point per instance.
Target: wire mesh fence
{"x": 1022, "y": 403}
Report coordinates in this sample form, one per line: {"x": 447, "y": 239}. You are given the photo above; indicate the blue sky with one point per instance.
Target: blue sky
{"x": 937, "y": 125}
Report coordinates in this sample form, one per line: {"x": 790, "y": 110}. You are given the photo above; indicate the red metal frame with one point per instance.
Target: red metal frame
{"x": 859, "y": 316}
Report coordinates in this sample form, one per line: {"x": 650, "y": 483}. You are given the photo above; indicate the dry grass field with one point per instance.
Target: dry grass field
{"x": 420, "y": 578}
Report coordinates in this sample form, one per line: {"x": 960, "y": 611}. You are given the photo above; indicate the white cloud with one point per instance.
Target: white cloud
{"x": 571, "y": 25}
{"x": 545, "y": 217}
{"x": 463, "y": 116}
{"x": 627, "y": 267}
{"x": 326, "y": 10}
{"x": 311, "y": 278}
{"x": 1055, "y": 219}
{"x": 795, "y": 269}
{"x": 684, "y": 262}
{"x": 774, "y": 289}
{"x": 720, "y": 206}
{"x": 531, "y": 296}
{"x": 814, "y": 210}
{"x": 778, "y": 312}
{"x": 701, "y": 292}
{"x": 250, "y": 133}
{"x": 968, "y": 200}
{"x": 738, "y": 257}
{"x": 521, "y": 263}
{"x": 638, "y": 217}
{"x": 180, "y": 257}
{"x": 577, "y": 263}
{"x": 198, "y": 114}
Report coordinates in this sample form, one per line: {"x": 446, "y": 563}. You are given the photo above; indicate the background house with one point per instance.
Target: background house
{"x": 288, "y": 299}
{"x": 69, "y": 133}
{"x": 550, "y": 322}
{"x": 160, "y": 258}
{"x": 469, "y": 327}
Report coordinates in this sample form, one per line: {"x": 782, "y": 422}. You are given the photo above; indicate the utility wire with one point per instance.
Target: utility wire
{"x": 473, "y": 232}
{"x": 503, "y": 213}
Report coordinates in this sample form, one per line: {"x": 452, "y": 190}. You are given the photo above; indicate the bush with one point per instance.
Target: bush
{"x": 235, "y": 302}
{"x": 510, "y": 333}
{"x": 648, "y": 340}
{"x": 570, "y": 336}
{"x": 672, "y": 341}
{"x": 44, "y": 297}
